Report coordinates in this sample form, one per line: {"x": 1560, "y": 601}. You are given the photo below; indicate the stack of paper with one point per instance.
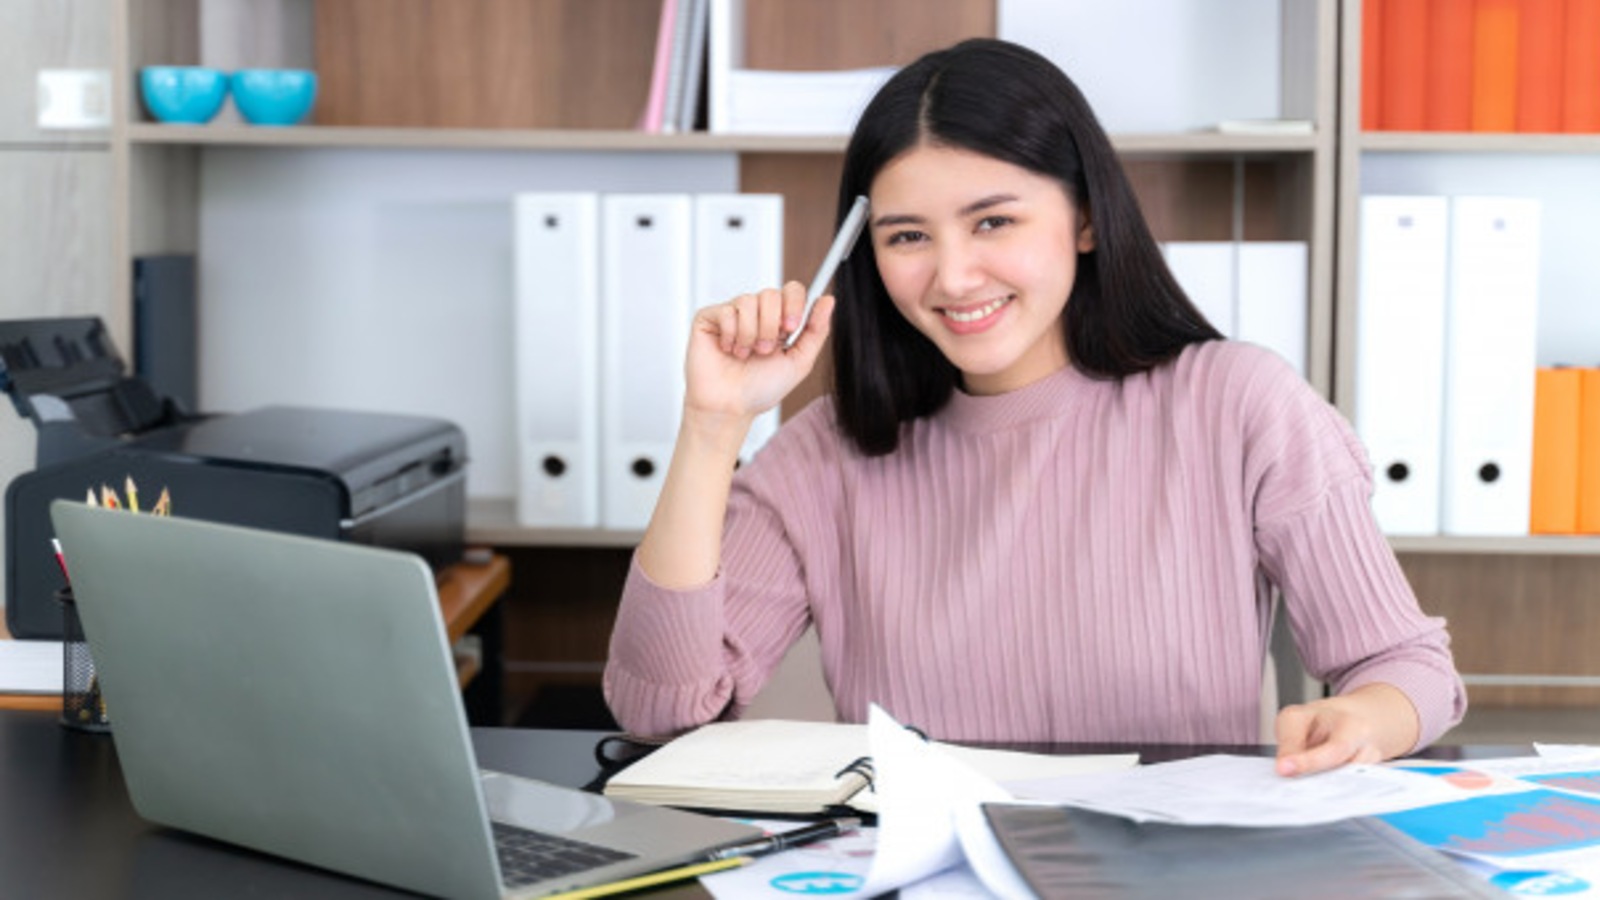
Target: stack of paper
{"x": 30, "y": 667}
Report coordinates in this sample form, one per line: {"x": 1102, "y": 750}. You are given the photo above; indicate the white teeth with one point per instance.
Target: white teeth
{"x": 987, "y": 309}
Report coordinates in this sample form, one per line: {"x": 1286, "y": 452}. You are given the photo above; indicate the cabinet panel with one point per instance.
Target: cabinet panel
{"x": 55, "y": 231}
{"x": 851, "y": 34}
{"x": 1525, "y": 615}
{"x": 484, "y": 64}
{"x": 47, "y": 34}
{"x": 1224, "y": 199}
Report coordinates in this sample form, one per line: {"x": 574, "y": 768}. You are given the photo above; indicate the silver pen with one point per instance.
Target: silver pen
{"x": 849, "y": 231}
{"x": 810, "y": 834}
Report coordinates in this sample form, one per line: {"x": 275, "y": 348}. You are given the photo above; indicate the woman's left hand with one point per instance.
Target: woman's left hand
{"x": 1370, "y": 724}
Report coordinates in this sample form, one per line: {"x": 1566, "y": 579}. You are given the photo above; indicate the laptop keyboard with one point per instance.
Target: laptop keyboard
{"x": 530, "y": 856}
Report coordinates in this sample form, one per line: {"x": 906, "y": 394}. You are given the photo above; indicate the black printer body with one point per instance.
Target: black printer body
{"x": 391, "y": 480}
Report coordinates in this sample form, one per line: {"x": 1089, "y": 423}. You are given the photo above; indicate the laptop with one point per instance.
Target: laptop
{"x": 297, "y": 696}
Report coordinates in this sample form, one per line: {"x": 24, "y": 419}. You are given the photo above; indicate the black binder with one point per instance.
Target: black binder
{"x": 1075, "y": 853}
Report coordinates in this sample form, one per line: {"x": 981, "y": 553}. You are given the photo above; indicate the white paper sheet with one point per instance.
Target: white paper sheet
{"x": 832, "y": 867}
{"x": 1243, "y": 791}
{"x": 30, "y": 667}
{"x": 926, "y": 799}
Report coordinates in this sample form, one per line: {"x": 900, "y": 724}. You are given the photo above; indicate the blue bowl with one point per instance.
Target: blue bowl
{"x": 274, "y": 96}
{"x": 189, "y": 95}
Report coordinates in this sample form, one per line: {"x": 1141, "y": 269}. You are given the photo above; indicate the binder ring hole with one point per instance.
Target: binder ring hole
{"x": 735, "y": 222}
{"x": 554, "y": 466}
{"x": 1489, "y": 473}
{"x": 1398, "y": 471}
{"x": 643, "y": 467}
{"x": 552, "y": 222}
{"x": 644, "y": 221}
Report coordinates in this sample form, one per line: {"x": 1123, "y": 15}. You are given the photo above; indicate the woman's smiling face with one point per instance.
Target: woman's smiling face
{"x": 980, "y": 256}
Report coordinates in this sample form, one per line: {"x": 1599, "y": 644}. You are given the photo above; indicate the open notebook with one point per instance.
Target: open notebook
{"x": 780, "y": 766}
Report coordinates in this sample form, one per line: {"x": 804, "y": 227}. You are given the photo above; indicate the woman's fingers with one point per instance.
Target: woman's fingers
{"x": 794, "y": 305}
{"x": 756, "y": 324}
{"x": 747, "y": 310}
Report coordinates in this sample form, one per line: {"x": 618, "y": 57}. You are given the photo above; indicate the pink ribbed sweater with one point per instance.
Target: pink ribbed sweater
{"x": 1078, "y": 560}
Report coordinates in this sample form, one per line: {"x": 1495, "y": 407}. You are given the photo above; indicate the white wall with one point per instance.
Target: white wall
{"x": 382, "y": 279}
{"x": 1195, "y": 62}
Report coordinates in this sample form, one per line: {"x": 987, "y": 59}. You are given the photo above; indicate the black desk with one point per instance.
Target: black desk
{"x": 68, "y": 830}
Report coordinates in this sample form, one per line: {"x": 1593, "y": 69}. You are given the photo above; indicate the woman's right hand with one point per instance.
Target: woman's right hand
{"x": 737, "y": 366}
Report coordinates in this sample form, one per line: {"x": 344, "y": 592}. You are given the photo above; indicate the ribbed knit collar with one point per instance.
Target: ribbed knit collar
{"x": 1043, "y": 399}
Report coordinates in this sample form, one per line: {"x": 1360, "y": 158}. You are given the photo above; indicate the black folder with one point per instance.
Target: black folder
{"x": 1064, "y": 852}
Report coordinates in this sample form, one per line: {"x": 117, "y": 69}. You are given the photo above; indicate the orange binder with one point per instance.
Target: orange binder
{"x": 1371, "y": 64}
{"x": 1449, "y": 103}
{"x": 1540, "y": 47}
{"x": 1404, "y": 64}
{"x": 1580, "y": 89}
{"x": 1589, "y": 452}
{"x": 1557, "y": 402}
{"x": 1494, "y": 65}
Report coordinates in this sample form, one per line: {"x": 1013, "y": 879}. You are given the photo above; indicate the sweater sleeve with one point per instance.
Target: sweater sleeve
{"x": 1354, "y": 616}
{"x": 681, "y": 658}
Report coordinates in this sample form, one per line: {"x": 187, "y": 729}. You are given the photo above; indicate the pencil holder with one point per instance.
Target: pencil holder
{"x": 82, "y": 705}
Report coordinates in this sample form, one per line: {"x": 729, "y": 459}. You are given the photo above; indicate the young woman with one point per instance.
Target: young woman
{"x": 1045, "y": 501}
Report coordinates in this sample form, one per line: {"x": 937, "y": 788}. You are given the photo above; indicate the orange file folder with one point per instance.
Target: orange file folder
{"x": 1449, "y": 104}
{"x": 1540, "y": 47}
{"x": 1371, "y": 64}
{"x": 1580, "y": 89}
{"x": 1556, "y": 405}
{"x": 1589, "y": 452}
{"x": 1494, "y": 65}
{"x": 1404, "y": 48}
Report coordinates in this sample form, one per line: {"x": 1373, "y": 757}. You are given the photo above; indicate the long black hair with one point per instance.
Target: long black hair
{"x": 1126, "y": 313}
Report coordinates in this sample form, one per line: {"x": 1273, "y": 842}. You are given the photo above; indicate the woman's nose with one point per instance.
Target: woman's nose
{"x": 960, "y": 271}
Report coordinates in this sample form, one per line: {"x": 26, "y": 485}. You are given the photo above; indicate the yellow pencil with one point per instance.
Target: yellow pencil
{"x": 665, "y": 876}
{"x": 132, "y": 492}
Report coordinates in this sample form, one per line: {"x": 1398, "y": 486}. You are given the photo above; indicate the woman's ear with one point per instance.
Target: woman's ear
{"x": 1085, "y": 235}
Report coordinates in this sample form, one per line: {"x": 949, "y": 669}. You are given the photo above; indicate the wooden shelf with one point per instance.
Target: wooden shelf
{"x": 322, "y": 136}
{"x": 1453, "y": 142}
{"x": 493, "y": 521}
{"x": 1541, "y": 545}
{"x": 467, "y": 590}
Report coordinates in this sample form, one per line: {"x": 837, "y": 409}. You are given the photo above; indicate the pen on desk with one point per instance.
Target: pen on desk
{"x": 665, "y": 876}
{"x": 810, "y": 834}
{"x": 849, "y": 230}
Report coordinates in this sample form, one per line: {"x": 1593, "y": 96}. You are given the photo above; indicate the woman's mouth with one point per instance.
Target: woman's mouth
{"x": 967, "y": 319}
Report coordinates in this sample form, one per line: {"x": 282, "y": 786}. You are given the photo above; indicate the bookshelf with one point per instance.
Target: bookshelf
{"x": 451, "y": 85}
{"x": 455, "y": 79}
{"x": 1523, "y": 610}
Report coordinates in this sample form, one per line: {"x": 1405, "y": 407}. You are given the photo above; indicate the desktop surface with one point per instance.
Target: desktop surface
{"x": 67, "y": 828}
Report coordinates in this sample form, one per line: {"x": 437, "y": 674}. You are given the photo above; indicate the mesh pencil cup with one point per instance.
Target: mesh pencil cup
{"x": 82, "y": 705}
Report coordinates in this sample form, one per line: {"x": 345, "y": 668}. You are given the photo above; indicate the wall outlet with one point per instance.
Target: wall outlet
{"x": 74, "y": 98}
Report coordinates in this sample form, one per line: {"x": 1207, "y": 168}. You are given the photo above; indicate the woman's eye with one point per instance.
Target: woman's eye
{"x": 989, "y": 223}
{"x": 905, "y": 237}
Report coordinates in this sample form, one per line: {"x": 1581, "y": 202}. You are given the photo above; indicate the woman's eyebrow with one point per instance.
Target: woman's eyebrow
{"x": 975, "y": 206}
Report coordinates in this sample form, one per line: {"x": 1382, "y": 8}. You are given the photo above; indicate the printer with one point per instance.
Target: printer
{"x": 391, "y": 480}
